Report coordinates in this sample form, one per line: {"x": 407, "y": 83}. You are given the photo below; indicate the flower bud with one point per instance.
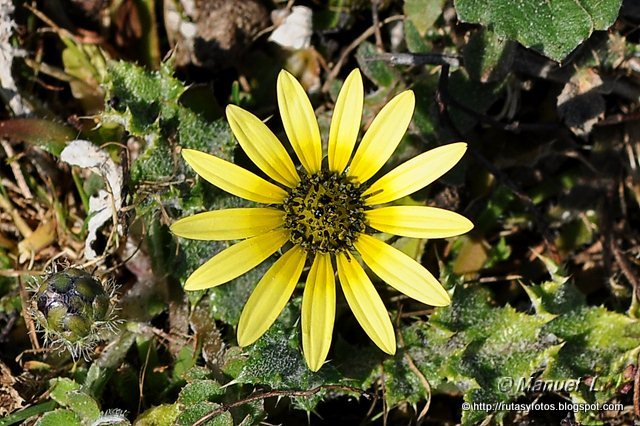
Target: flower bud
{"x": 73, "y": 309}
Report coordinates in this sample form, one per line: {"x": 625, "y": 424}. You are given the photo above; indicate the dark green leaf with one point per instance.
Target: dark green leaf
{"x": 553, "y": 28}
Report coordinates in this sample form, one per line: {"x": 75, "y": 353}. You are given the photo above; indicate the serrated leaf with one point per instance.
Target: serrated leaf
{"x": 59, "y": 418}
{"x": 195, "y": 412}
{"x": 471, "y": 345}
{"x": 555, "y": 297}
{"x": 595, "y": 339}
{"x": 200, "y": 390}
{"x": 68, "y": 393}
{"x": 147, "y": 105}
{"x": 164, "y": 414}
{"x": 60, "y": 388}
{"x": 553, "y": 28}
{"x": 275, "y": 359}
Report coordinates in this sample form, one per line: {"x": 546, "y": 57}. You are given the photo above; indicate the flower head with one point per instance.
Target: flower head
{"x": 324, "y": 215}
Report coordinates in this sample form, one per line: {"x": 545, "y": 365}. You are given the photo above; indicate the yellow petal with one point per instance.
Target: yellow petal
{"x": 382, "y": 137}
{"x": 318, "y": 311}
{"x": 415, "y": 174}
{"x": 236, "y": 260}
{"x": 365, "y": 303}
{"x": 345, "y": 123}
{"x": 299, "y": 122}
{"x": 418, "y": 221}
{"x": 270, "y": 296}
{"x": 233, "y": 179}
{"x": 401, "y": 272}
{"x": 262, "y": 146}
{"x": 228, "y": 224}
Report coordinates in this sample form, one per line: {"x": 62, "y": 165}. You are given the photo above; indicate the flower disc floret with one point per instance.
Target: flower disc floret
{"x": 324, "y": 212}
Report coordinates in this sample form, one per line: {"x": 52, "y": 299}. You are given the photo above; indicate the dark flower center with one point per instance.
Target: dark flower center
{"x": 325, "y": 212}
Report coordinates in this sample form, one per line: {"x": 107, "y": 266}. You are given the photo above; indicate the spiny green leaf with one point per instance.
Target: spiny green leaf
{"x": 276, "y": 360}
{"x": 148, "y": 105}
{"x": 555, "y": 297}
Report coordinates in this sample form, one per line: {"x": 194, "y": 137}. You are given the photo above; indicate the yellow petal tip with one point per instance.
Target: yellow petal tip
{"x": 243, "y": 341}
{"x": 192, "y": 285}
{"x": 314, "y": 367}
{"x": 442, "y": 299}
{"x": 389, "y": 350}
{"x": 468, "y": 226}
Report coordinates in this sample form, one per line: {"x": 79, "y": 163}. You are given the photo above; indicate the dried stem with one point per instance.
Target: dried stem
{"x": 417, "y": 59}
{"x": 31, "y": 328}
{"x": 375, "y": 4}
{"x": 354, "y": 44}
{"x": 636, "y": 392}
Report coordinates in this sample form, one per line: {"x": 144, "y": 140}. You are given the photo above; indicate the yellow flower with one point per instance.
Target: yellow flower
{"x": 326, "y": 215}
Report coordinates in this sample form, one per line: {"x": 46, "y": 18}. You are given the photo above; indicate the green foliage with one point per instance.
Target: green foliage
{"x": 50, "y": 135}
{"x": 195, "y": 412}
{"x": 276, "y": 360}
{"x": 59, "y": 418}
{"x": 177, "y": 357}
{"x": 422, "y": 13}
{"x": 488, "y": 57}
{"x": 377, "y": 71}
{"x": 200, "y": 390}
{"x": 552, "y": 28}
{"x": 472, "y": 346}
{"x": 148, "y": 105}
{"x": 164, "y": 414}
{"x": 81, "y": 408}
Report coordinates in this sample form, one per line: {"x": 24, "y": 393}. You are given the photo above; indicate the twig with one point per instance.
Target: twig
{"x": 264, "y": 395}
{"x": 31, "y": 328}
{"x": 609, "y": 236}
{"x": 12, "y": 318}
{"x": 636, "y": 392}
{"x": 376, "y": 23}
{"x": 355, "y": 43}
{"x": 619, "y": 118}
{"x": 625, "y": 266}
{"x": 412, "y": 366}
{"x": 417, "y": 59}
{"x": 142, "y": 376}
{"x": 18, "y": 221}
{"x": 15, "y": 168}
